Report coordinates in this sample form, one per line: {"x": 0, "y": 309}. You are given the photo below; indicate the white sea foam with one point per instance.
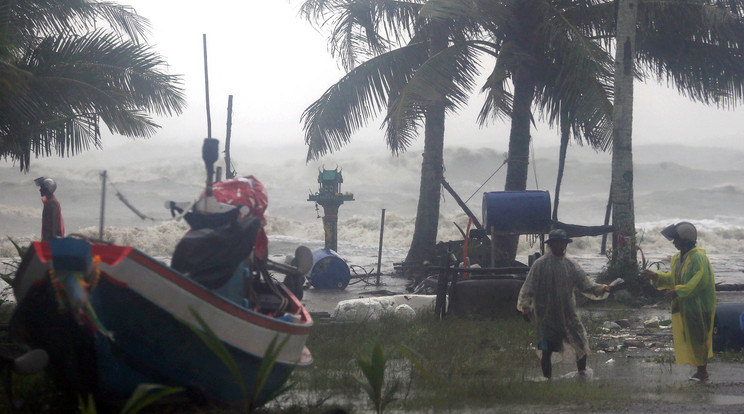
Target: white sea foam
{"x": 700, "y": 185}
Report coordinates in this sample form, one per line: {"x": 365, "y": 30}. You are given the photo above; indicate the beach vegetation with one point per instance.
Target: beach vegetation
{"x": 67, "y": 67}
{"x": 252, "y": 396}
{"x": 424, "y": 364}
{"x": 11, "y": 264}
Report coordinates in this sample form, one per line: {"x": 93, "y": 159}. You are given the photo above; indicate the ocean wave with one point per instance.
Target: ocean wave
{"x": 716, "y": 236}
{"x": 10, "y": 213}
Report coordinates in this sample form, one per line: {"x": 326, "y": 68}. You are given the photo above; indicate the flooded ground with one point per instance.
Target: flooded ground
{"x": 634, "y": 352}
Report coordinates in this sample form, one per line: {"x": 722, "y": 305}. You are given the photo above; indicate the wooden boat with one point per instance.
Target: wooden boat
{"x": 125, "y": 327}
{"x": 111, "y": 317}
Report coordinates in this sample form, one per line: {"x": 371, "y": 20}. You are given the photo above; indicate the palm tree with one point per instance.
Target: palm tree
{"x": 547, "y": 52}
{"x": 696, "y": 45}
{"x": 449, "y": 75}
{"x": 59, "y": 77}
{"x": 396, "y": 44}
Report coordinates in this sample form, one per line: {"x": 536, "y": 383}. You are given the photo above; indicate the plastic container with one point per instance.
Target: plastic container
{"x": 517, "y": 212}
{"x": 727, "y": 327}
{"x": 329, "y": 270}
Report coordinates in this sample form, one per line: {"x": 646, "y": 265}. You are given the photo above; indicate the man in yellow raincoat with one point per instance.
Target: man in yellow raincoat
{"x": 691, "y": 287}
{"x": 549, "y": 290}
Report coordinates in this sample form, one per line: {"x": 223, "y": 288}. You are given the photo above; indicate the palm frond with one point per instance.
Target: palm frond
{"x": 360, "y": 29}
{"x": 697, "y": 46}
{"x": 448, "y": 76}
{"x": 69, "y": 83}
{"x": 358, "y": 97}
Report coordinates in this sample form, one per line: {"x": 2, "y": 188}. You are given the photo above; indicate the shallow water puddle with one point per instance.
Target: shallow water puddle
{"x": 713, "y": 399}
{"x": 717, "y": 399}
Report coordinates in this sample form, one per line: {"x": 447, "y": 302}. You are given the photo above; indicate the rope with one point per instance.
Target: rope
{"x": 362, "y": 278}
{"x": 487, "y": 180}
{"x": 141, "y": 215}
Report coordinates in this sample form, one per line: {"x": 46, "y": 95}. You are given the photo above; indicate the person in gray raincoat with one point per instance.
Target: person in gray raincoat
{"x": 548, "y": 292}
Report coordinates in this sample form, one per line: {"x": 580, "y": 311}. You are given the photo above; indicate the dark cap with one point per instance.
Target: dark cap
{"x": 558, "y": 235}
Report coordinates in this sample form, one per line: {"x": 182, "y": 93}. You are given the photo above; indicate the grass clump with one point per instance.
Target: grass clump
{"x": 466, "y": 363}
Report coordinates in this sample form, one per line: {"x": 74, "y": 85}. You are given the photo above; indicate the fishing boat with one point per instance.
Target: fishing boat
{"x": 111, "y": 317}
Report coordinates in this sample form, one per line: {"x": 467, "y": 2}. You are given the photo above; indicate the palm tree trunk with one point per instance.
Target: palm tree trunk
{"x": 424, "y": 238}
{"x": 519, "y": 152}
{"x": 565, "y": 132}
{"x": 623, "y": 216}
{"x": 519, "y": 136}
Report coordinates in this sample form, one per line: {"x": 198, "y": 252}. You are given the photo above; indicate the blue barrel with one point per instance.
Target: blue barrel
{"x": 329, "y": 271}
{"x": 519, "y": 212}
{"x": 727, "y": 327}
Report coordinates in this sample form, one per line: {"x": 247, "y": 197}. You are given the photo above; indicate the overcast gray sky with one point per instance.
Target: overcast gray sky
{"x": 275, "y": 65}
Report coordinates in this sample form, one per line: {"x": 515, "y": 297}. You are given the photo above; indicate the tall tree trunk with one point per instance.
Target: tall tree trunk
{"x": 427, "y": 213}
{"x": 565, "y": 134}
{"x": 519, "y": 136}
{"x": 517, "y": 165}
{"x": 623, "y": 215}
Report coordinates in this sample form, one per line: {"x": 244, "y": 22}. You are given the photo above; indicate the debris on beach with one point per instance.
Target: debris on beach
{"x": 405, "y": 306}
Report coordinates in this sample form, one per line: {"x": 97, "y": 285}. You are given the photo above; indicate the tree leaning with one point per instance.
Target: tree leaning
{"x": 60, "y": 77}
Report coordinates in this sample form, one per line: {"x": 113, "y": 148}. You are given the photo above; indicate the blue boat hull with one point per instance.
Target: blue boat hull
{"x": 149, "y": 341}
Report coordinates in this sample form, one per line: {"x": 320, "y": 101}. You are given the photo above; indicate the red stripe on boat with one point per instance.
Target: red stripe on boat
{"x": 209, "y": 297}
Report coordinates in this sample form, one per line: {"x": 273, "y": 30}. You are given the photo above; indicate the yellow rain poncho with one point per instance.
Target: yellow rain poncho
{"x": 694, "y": 307}
{"x": 549, "y": 290}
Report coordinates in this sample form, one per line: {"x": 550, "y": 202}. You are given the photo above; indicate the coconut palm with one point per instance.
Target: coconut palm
{"x": 60, "y": 77}
{"x": 546, "y": 51}
{"x": 395, "y": 43}
{"x": 579, "y": 95}
{"x": 695, "y": 45}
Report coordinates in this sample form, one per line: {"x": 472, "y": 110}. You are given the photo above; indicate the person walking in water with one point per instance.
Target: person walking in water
{"x": 691, "y": 286}
{"x": 548, "y": 292}
{"x": 52, "y": 225}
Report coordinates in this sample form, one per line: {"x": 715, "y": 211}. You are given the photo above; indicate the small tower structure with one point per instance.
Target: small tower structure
{"x": 330, "y": 197}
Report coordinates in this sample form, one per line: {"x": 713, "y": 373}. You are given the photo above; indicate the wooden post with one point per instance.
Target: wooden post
{"x": 103, "y": 205}
{"x": 229, "y": 173}
{"x": 462, "y": 205}
{"x": 440, "y": 304}
{"x": 603, "y": 249}
{"x": 493, "y": 246}
{"x": 379, "y": 250}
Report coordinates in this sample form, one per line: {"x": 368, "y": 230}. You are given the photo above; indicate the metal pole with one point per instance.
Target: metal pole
{"x": 206, "y": 87}
{"x": 379, "y": 251}
{"x": 229, "y": 173}
{"x": 103, "y": 205}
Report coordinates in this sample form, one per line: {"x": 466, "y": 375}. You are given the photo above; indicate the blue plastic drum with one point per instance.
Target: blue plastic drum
{"x": 329, "y": 271}
{"x": 727, "y": 327}
{"x": 518, "y": 212}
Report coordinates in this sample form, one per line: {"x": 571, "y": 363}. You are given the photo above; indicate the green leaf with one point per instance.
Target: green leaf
{"x": 146, "y": 394}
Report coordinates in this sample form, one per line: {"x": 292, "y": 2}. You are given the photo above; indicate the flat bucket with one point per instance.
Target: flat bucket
{"x": 517, "y": 212}
{"x": 329, "y": 270}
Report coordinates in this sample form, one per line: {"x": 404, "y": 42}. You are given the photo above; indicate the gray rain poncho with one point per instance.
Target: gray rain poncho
{"x": 549, "y": 290}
